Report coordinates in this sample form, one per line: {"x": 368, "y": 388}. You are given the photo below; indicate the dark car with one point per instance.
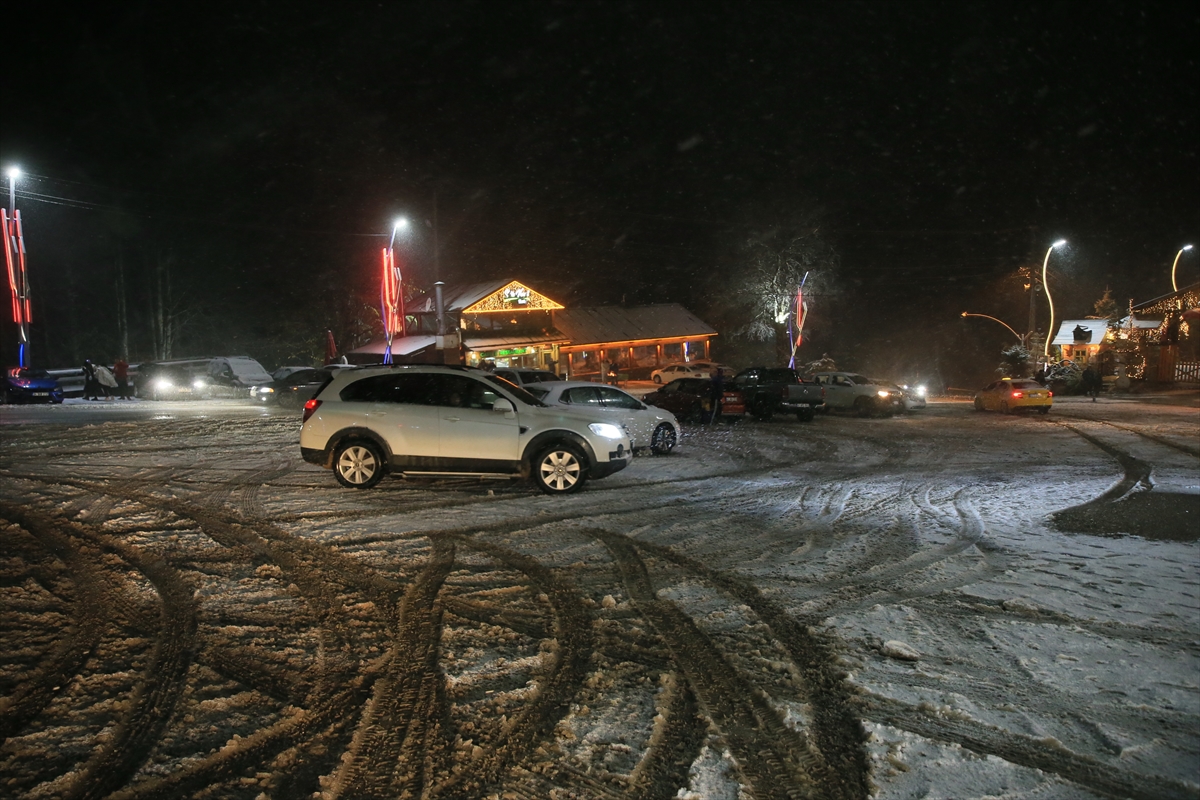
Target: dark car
{"x": 173, "y": 381}
{"x": 689, "y": 399}
{"x": 294, "y": 390}
{"x": 25, "y": 385}
{"x": 523, "y": 376}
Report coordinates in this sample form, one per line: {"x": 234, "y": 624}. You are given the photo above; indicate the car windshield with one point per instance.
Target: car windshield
{"x": 537, "y": 391}
{"x": 516, "y": 391}
{"x": 859, "y": 380}
{"x": 1025, "y": 384}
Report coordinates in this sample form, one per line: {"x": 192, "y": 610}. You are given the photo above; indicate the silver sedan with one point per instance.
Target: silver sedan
{"x": 647, "y": 426}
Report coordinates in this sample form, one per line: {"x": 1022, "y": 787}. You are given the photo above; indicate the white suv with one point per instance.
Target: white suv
{"x": 434, "y": 421}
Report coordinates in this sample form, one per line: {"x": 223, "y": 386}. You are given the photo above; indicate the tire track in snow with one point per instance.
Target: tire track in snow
{"x": 1041, "y": 754}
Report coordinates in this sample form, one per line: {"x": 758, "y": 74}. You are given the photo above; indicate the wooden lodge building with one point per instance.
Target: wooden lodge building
{"x": 507, "y": 324}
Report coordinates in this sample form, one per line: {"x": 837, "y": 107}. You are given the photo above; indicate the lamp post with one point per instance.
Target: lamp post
{"x": 14, "y": 260}
{"x": 1174, "y": 286}
{"x": 1049, "y": 299}
{"x": 1002, "y": 322}
{"x": 391, "y": 292}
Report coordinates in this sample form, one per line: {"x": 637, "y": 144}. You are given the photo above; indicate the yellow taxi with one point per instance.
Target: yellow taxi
{"x": 1014, "y": 394}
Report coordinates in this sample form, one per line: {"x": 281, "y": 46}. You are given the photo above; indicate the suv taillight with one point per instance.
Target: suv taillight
{"x": 310, "y": 408}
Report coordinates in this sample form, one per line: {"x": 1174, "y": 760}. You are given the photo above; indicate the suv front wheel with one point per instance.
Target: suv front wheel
{"x": 560, "y": 469}
{"x": 358, "y": 464}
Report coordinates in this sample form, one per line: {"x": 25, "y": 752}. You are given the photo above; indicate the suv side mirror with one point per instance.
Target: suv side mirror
{"x": 503, "y": 405}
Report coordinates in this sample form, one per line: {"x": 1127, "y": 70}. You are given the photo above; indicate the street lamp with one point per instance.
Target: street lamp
{"x": 1049, "y": 330}
{"x": 1002, "y": 322}
{"x": 391, "y": 292}
{"x": 12, "y": 173}
{"x": 1174, "y": 287}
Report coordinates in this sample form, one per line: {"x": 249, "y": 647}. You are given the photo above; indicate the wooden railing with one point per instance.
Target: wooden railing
{"x": 1187, "y": 371}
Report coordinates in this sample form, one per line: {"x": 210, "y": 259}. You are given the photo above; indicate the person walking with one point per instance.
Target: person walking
{"x": 107, "y": 381}
{"x": 121, "y": 373}
{"x": 1092, "y": 382}
{"x": 91, "y": 387}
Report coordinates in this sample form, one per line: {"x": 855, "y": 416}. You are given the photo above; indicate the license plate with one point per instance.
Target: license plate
{"x": 41, "y": 394}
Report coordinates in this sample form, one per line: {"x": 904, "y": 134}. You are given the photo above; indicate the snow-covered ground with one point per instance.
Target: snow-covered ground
{"x": 942, "y": 605}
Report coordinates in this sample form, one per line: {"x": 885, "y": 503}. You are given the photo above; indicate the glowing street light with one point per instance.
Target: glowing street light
{"x": 1174, "y": 287}
{"x": 1049, "y": 330}
{"x": 12, "y": 173}
{"x": 391, "y": 292}
{"x": 1002, "y": 322}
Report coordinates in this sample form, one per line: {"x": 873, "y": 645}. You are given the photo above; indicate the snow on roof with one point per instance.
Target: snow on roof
{"x": 1096, "y": 329}
{"x": 619, "y": 324}
{"x": 1138, "y": 323}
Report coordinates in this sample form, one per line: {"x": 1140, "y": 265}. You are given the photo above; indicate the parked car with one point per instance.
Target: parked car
{"x": 294, "y": 390}
{"x": 523, "y": 376}
{"x": 689, "y": 399}
{"x": 240, "y": 372}
{"x": 29, "y": 385}
{"x": 648, "y": 426}
{"x": 849, "y": 391}
{"x": 437, "y": 421}
{"x": 692, "y": 369}
{"x": 1014, "y": 394}
{"x": 771, "y": 390}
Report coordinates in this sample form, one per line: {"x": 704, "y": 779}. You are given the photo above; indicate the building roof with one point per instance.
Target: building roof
{"x": 605, "y": 324}
{"x": 1168, "y": 302}
{"x": 457, "y": 299}
{"x": 1096, "y": 329}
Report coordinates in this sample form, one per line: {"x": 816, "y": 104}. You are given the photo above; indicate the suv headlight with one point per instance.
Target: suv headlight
{"x": 883, "y": 393}
{"x": 162, "y": 384}
{"x": 606, "y": 429}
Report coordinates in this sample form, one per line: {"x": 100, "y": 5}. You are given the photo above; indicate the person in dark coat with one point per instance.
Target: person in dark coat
{"x": 716, "y": 390}
{"x": 1091, "y": 382}
{"x": 91, "y": 386}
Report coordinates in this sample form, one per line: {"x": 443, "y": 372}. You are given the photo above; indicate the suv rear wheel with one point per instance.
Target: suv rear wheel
{"x": 560, "y": 469}
{"x": 358, "y": 464}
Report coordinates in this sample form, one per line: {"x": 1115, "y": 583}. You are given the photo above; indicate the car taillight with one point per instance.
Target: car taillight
{"x": 310, "y": 408}
{"x": 1051, "y": 394}
{"x": 1018, "y": 395}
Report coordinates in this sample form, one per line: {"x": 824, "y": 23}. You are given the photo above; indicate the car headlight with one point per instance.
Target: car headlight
{"x": 883, "y": 393}
{"x": 606, "y": 429}
{"x": 920, "y": 391}
{"x": 162, "y": 384}
{"x": 199, "y": 383}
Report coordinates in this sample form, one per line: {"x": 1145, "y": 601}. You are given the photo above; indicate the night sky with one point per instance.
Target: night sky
{"x": 604, "y": 153}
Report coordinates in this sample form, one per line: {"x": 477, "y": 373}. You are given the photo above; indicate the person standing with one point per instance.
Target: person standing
{"x": 1092, "y": 382}
{"x": 121, "y": 373}
{"x": 106, "y": 380}
{"x": 91, "y": 387}
{"x": 716, "y": 391}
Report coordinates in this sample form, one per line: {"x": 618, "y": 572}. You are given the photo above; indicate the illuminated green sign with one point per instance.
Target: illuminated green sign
{"x": 518, "y": 351}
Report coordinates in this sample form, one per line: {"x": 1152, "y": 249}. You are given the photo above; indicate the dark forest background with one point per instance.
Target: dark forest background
{"x": 219, "y": 179}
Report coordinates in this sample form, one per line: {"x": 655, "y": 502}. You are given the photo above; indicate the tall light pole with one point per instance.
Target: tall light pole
{"x": 391, "y": 292}
{"x": 1002, "y": 322}
{"x": 1049, "y": 330}
{"x": 14, "y": 260}
{"x": 1174, "y": 286}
